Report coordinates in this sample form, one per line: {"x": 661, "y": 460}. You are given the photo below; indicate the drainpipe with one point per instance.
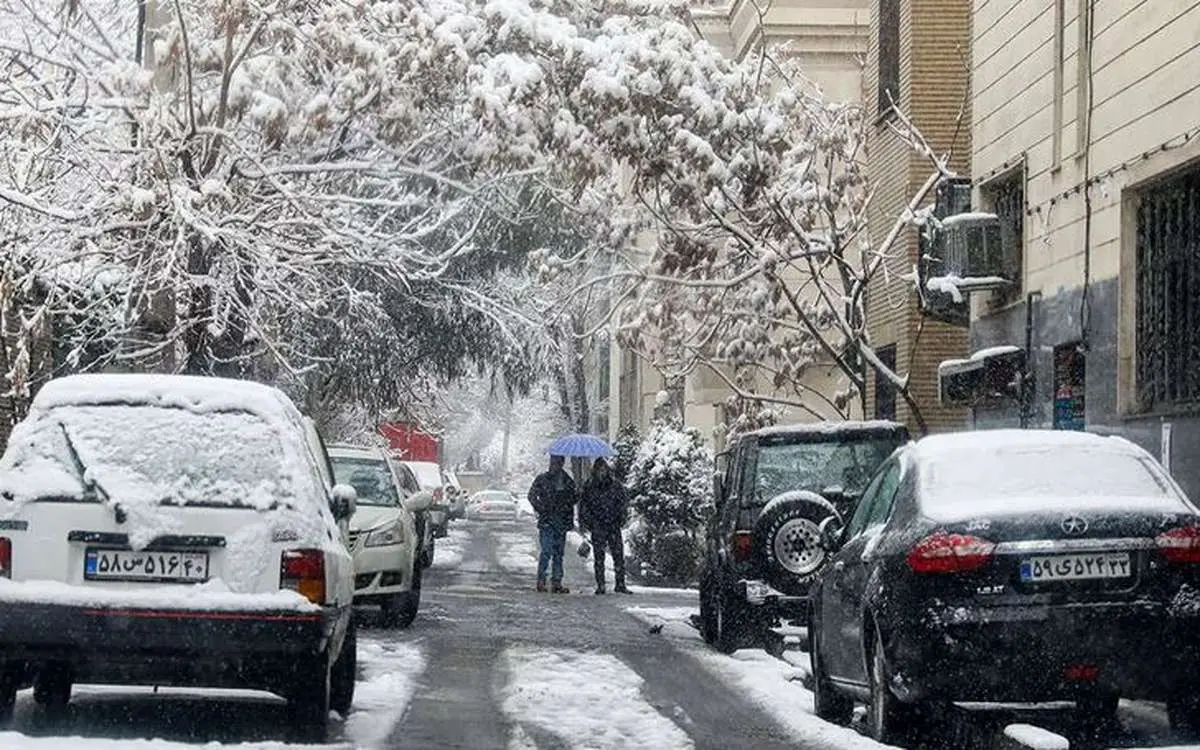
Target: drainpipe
{"x": 1029, "y": 377}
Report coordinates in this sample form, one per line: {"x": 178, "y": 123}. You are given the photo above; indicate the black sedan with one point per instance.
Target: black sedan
{"x": 1010, "y": 566}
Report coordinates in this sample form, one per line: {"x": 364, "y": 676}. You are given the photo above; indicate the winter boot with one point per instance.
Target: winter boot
{"x": 558, "y": 588}
{"x": 541, "y": 587}
{"x": 620, "y": 589}
{"x": 600, "y": 589}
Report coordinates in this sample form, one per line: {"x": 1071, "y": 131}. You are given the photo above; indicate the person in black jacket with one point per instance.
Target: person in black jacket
{"x": 553, "y": 499}
{"x": 604, "y": 511}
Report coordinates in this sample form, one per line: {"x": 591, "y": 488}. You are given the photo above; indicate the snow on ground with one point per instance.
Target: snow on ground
{"x": 448, "y": 551}
{"x": 517, "y": 552}
{"x": 587, "y": 700}
{"x": 775, "y": 686}
{"x": 388, "y": 677}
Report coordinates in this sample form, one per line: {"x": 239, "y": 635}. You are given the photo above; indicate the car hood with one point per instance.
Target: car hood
{"x": 370, "y": 516}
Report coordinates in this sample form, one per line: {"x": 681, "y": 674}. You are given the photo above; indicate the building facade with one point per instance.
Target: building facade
{"x": 1086, "y": 145}
{"x": 917, "y": 64}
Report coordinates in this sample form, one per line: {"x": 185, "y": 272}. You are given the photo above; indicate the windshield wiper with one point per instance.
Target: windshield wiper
{"x": 89, "y": 482}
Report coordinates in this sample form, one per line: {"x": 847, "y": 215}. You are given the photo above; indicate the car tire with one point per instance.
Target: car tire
{"x": 52, "y": 687}
{"x": 1183, "y": 713}
{"x": 345, "y": 672}
{"x": 708, "y": 617}
{"x": 734, "y": 621}
{"x": 889, "y": 720}
{"x": 401, "y": 610}
{"x": 787, "y": 542}
{"x": 828, "y": 704}
{"x": 308, "y": 697}
{"x": 9, "y": 684}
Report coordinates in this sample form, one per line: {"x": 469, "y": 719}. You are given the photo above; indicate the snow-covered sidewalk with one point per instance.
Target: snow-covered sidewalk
{"x": 448, "y": 551}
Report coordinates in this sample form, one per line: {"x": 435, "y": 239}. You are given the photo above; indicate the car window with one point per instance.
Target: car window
{"x": 885, "y": 497}
{"x": 370, "y": 478}
{"x": 748, "y": 461}
{"x": 845, "y": 460}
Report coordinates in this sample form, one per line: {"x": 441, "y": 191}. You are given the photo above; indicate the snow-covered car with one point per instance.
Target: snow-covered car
{"x": 173, "y": 530}
{"x": 383, "y": 533}
{"x": 493, "y": 505}
{"x": 1010, "y": 566}
{"x": 762, "y": 550}
{"x": 410, "y": 486}
{"x": 429, "y": 477}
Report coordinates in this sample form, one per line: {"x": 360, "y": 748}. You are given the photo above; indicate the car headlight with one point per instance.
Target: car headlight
{"x": 382, "y": 537}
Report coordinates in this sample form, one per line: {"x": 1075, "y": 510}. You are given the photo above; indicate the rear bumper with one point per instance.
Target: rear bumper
{"x": 771, "y": 602}
{"x": 45, "y": 632}
{"x": 1044, "y": 653}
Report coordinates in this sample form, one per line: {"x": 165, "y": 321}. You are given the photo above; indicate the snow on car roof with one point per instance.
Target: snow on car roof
{"x": 355, "y": 451}
{"x": 428, "y": 474}
{"x": 826, "y": 428}
{"x": 997, "y": 472}
{"x": 194, "y": 393}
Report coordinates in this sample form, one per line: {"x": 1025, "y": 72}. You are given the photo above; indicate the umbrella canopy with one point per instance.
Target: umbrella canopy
{"x": 580, "y": 446}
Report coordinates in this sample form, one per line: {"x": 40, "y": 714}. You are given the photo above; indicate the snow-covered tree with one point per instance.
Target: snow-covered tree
{"x": 670, "y": 488}
{"x": 626, "y": 444}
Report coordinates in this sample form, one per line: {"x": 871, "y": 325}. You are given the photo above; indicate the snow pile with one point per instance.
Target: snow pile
{"x": 590, "y": 701}
{"x": 389, "y": 673}
{"x": 449, "y": 550}
{"x": 1036, "y": 738}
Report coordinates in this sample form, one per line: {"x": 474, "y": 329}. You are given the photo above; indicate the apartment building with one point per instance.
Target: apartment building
{"x": 1086, "y": 146}
{"x": 917, "y": 65}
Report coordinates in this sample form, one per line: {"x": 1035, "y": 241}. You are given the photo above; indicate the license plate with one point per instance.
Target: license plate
{"x": 1076, "y": 567}
{"x": 145, "y": 566}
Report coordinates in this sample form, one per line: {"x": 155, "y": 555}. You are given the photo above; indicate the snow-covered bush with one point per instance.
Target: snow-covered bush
{"x": 670, "y": 488}
{"x": 629, "y": 439}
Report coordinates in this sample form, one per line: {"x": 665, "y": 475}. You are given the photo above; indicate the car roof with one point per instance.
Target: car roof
{"x": 948, "y": 446}
{"x": 828, "y": 428}
{"x": 190, "y": 392}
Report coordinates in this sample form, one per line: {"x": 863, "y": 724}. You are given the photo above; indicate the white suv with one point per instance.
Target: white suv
{"x": 173, "y": 530}
{"x": 383, "y": 533}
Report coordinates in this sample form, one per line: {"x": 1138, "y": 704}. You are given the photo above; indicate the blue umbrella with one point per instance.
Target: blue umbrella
{"x": 580, "y": 446}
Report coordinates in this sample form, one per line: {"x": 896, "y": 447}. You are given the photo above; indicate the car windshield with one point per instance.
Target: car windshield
{"x": 370, "y": 478}
{"x": 428, "y": 475}
{"x": 816, "y": 466}
{"x": 150, "y": 455}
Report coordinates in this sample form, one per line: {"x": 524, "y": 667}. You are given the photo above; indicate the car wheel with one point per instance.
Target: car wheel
{"x": 708, "y": 618}
{"x": 345, "y": 672}
{"x": 733, "y": 620}
{"x": 308, "y": 697}
{"x": 828, "y": 704}
{"x": 1183, "y": 713}
{"x": 787, "y": 539}
{"x": 9, "y": 683}
{"x": 52, "y": 687}
{"x": 400, "y": 610}
{"x": 888, "y": 718}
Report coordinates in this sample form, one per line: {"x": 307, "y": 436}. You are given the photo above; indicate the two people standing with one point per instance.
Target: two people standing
{"x": 603, "y": 510}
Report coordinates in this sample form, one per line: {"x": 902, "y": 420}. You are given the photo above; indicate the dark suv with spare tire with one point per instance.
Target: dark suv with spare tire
{"x": 763, "y": 549}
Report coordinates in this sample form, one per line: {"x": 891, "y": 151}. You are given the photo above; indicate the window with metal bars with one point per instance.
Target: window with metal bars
{"x": 889, "y": 57}
{"x": 1006, "y": 199}
{"x": 1168, "y": 294}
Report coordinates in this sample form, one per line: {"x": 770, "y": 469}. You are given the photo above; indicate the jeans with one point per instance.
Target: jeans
{"x": 553, "y": 542}
{"x": 610, "y": 540}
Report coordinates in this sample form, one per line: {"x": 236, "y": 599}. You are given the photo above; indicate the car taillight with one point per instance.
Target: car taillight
{"x": 1180, "y": 545}
{"x": 5, "y": 557}
{"x": 743, "y": 544}
{"x": 950, "y": 553}
{"x": 303, "y": 571}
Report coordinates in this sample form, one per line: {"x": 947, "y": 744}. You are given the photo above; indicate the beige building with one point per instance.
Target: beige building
{"x": 1086, "y": 144}
{"x": 917, "y": 64}
{"x": 829, "y": 37}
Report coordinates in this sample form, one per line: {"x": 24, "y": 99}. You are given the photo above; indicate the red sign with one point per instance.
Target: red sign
{"x": 410, "y": 443}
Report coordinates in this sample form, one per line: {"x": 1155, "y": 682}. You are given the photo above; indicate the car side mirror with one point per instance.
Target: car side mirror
{"x": 831, "y": 531}
{"x": 418, "y": 502}
{"x": 343, "y": 501}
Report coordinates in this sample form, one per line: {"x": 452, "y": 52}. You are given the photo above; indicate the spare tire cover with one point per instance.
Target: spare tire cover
{"x": 787, "y": 539}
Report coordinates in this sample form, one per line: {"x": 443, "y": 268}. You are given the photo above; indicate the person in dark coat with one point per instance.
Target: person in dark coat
{"x": 604, "y": 511}
{"x": 553, "y": 497}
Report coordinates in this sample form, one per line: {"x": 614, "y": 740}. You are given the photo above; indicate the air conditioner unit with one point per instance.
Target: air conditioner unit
{"x": 974, "y": 252}
{"x": 995, "y": 373}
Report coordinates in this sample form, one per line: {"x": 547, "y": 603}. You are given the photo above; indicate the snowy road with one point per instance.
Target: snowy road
{"x": 489, "y": 663}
